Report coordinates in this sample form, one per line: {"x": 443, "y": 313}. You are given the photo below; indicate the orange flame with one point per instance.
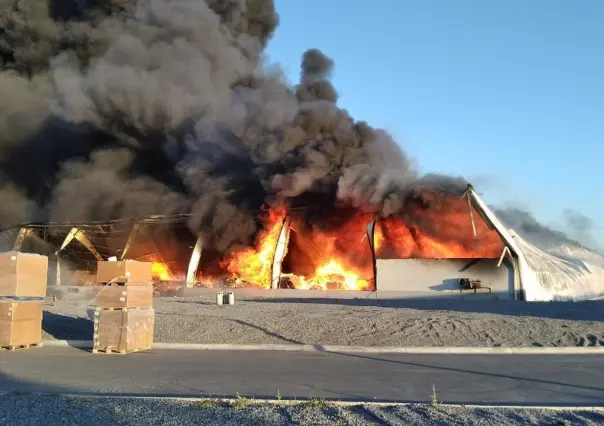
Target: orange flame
{"x": 331, "y": 268}
{"x": 161, "y": 272}
{"x": 339, "y": 257}
{"x": 330, "y": 276}
{"x": 452, "y": 235}
{"x": 254, "y": 265}
{"x": 342, "y": 256}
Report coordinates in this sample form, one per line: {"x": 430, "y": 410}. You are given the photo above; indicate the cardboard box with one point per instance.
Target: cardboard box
{"x": 125, "y": 296}
{"x": 12, "y": 310}
{"x": 20, "y": 323}
{"x": 127, "y": 272}
{"x": 123, "y": 330}
{"x": 23, "y": 274}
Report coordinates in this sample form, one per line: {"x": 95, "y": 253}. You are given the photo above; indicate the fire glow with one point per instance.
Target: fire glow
{"x": 161, "y": 272}
{"x": 253, "y": 265}
{"x": 338, "y": 257}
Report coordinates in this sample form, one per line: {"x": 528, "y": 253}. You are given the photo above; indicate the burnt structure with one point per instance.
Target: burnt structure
{"x": 78, "y": 246}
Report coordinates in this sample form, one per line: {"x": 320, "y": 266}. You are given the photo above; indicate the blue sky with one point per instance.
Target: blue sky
{"x": 509, "y": 94}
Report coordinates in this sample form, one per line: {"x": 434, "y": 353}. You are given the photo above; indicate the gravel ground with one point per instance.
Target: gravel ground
{"x": 61, "y": 410}
{"x": 356, "y": 322}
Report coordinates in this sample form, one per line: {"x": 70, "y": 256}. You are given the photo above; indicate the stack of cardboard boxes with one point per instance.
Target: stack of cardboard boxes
{"x": 124, "y": 317}
{"x": 23, "y": 281}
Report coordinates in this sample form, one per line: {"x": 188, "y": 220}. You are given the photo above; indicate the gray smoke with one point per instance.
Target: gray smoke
{"x": 117, "y": 108}
{"x": 578, "y": 227}
{"x": 581, "y": 228}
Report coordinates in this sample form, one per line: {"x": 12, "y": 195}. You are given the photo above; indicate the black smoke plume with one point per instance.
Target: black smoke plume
{"x": 117, "y": 108}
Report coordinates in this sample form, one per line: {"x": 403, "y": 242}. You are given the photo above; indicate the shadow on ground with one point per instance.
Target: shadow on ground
{"x": 63, "y": 327}
{"x": 576, "y": 311}
{"x": 268, "y": 332}
{"x": 193, "y": 302}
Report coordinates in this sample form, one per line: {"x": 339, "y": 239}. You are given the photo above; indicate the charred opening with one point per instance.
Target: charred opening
{"x": 332, "y": 252}
{"x": 300, "y": 248}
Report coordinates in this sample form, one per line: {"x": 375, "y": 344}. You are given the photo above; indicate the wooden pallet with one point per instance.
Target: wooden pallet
{"x": 19, "y": 347}
{"x": 22, "y": 298}
{"x": 110, "y": 283}
{"x": 132, "y": 308}
{"x": 108, "y": 351}
{"x": 115, "y": 327}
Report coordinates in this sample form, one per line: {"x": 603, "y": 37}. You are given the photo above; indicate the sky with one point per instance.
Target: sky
{"x": 506, "y": 93}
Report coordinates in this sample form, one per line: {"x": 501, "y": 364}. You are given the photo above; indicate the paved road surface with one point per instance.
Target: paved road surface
{"x": 497, "y": 379}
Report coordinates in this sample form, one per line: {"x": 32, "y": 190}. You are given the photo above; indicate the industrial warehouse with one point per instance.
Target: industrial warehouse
{"x": 502, "y": 265}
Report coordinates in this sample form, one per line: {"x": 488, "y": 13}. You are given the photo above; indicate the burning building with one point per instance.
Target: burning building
{"x": 460, "y": 248}
{"x": 162, "y": 120}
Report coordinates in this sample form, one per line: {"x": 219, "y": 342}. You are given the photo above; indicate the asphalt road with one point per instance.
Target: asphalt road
{"x": 486, "y": 379}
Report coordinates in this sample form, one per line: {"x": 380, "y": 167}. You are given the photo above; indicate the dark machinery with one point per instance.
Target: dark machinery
{"x": 470, "y": 284}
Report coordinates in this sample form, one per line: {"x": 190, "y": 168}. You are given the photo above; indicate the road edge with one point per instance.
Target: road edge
{"x": 291, "y": 402}
{"x": 554, "y": 350}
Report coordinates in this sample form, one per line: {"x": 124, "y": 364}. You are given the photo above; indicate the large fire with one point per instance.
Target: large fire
{"x": 253, "y": 265}
{"x": 337, "y": 255}
{"x": 333, "y": 254}
{"x": 330, "y": 275}
{"x": 161, "y": 272}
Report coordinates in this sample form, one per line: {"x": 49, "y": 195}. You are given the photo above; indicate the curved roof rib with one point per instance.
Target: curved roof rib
{"x": 545, "y": 276}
